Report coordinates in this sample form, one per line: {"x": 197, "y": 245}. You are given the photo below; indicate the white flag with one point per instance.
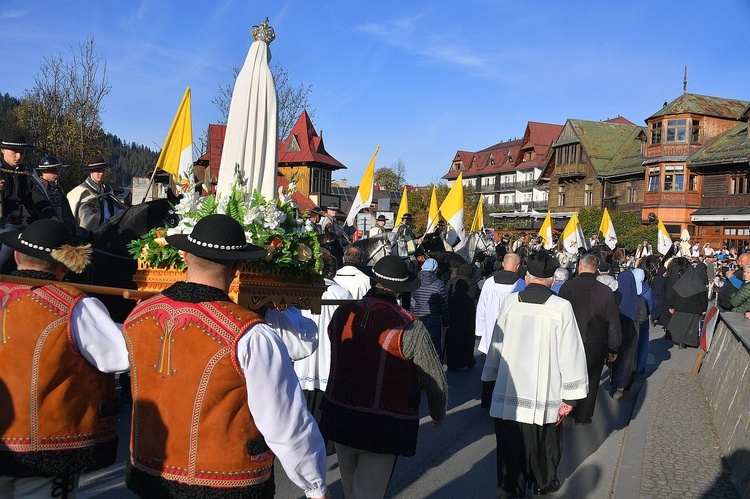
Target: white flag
{"x": 608, "y": 229}
{"x": 664, "y": 241}
{"x": 573, "y": 237}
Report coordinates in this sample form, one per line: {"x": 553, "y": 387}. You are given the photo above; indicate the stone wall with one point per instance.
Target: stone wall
{"x": 725, "y": 375}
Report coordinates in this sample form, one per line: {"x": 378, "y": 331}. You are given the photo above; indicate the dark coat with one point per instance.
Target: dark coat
{"x": 596, "y": 312}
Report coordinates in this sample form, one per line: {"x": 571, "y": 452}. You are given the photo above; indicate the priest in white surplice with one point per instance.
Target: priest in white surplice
{"x": 537, "y": 361}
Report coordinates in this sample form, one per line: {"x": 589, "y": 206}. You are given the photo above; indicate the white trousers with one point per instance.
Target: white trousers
{"x": 39, "y": 487}
{"x": 364, "y": 475}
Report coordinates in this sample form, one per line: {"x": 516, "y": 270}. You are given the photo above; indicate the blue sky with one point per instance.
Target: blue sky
{"x": 420, "y": 79}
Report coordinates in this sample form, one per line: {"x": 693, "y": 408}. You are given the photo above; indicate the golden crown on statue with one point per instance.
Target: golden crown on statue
{"x": 263, "y": 32}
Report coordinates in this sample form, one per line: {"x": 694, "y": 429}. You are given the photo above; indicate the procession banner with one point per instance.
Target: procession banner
{"x": 402, "y": 208}
{"x": 176, "y": 156}
{"x": 452, "y": 210}
{"x": 545, "y": 232}
{"x": 363, "y": 199}
{"x": 608, "y": 230}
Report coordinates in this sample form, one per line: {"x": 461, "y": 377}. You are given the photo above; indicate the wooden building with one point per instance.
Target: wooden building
{"x": 676, "y": 132}
{"x": 722, "y": 167}
{"x": 596, "y": 163}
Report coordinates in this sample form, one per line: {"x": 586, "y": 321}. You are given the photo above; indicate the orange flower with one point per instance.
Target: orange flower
{"x": 276, "y": 242}
{"x": 159, "y": 233}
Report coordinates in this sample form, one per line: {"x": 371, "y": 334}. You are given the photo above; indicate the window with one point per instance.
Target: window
{"x": 633, "y": 191}
{"x": 489, "y": 199}
{"x": 693, "y": 183}
{"x": 653, "y": 179}
{"x": 736, "y": 232}
{"x": 655, "y": 133}
{"x": 676, "y": 130}
{"x": 695, "y": 131}
{"x": 738, "y": 184}
{"x": 674, "y": 178}
{"x": 561, "y": 196}
{"x": 588, "y": 195}
{"x": 320, "y": 180}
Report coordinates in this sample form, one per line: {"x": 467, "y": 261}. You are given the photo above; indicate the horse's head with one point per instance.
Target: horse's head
{"x": 375, "y": 247}
{"x": 116, "y": 233}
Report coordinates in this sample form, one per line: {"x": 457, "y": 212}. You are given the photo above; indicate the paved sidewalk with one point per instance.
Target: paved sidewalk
{"x": 671, "y": 448}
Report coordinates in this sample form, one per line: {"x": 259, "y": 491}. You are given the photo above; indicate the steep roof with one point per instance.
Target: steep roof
{"x": 539, "y": 137}
{"x": 629, "y": 159}
{"x": 704, "y": 105}
{"x": 304, "y": 145}
{"x": 480, "y": 162}
{"x": 601, "y": 140}
{"x": 620, "y": 120}
{"x": 733, "y": 146}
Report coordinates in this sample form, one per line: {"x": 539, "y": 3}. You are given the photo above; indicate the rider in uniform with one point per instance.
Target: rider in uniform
{"x": 93, "y": 202}
{"x": 380, "y": 227}
{"x": 406, "y": 242}
{"x": 49, "y": 171}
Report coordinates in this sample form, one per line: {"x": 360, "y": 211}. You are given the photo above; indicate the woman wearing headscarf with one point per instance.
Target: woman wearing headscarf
{"x": 459, "y": 338}
{"x": 688, "y": 303}
{"x": 624, "y": 365}
{"x": 645, "y": 294}
{"x": 430, "y": 303}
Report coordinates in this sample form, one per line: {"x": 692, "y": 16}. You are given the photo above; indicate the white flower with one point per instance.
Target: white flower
{"x": 222, "y": 204}
{"x": 309, "y": 226}
{"x": 274, "y": 217}
{"x": 255, "y": 214}
{"x": 188, "y": 204}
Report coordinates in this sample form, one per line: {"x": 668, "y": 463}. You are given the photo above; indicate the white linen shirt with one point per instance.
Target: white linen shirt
{"x": 488, "y": 306}
{"x": 97, "y": 337}
{"x": 280, "y": 410}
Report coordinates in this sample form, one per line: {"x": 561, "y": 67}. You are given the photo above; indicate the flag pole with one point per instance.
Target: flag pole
{"x": 150, "y": 183}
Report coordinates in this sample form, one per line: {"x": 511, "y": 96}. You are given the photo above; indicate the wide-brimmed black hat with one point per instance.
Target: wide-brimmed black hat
{"x": 15, "y": 142}
{"x": 406, "y": 215}
{"x": 332, "y": 206}
{"x": 381, "y": 218}
{"x": 51, "y": 241}
{"x": 49, "y": 162}
{"x": 441, "y": 223}
{"x": 542, "y": 265}
{"x": 391, "y": 272}
{"x": 316, "y": 211}
{"x": 217, "y": 237}
{"x": 95, "y": 163}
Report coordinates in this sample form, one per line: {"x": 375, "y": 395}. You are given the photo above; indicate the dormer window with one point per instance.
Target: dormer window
{"x": 510, "y": 157}
{"x": 676, "y": 130}
{"x": 695, "y": 131}
{"x": 656, "y": 133}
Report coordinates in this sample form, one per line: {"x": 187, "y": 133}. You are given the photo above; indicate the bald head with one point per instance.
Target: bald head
{"x": 511, "y": 262}
{"x": 588, "y": 263}
{"x": 744, "y": 259}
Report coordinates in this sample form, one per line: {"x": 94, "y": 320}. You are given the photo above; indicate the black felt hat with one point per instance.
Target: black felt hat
{"x": 381, "y": 218}
{"x": 15, "y": 142}
{"x": 542, "y": 265}
{"x": 217, "y": 237}
{"x": 49, "y": 162}
{"x": 406, "y": 216}
{"x": 333, "y": 206}
{"x": 95, "y": 163}
{"x": 391, "y": 272}
{"x": 51, "y": 241}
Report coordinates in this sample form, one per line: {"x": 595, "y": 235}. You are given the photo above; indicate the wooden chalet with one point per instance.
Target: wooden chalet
{"x": 303, "y": 157}
{"x": 678, "y": 131}
{"x": 596, "y": 163}
{"x": 722, "y": 167}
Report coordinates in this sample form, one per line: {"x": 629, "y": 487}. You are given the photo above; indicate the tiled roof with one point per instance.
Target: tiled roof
{"x": 731, "y": 147}
{"x": 540, "y": 137}
{"x": 629, "y": 159}
{"x": 304, "y": 145}
{"x": 478, "y": 163}
{"x": 704, "y": 105}
{"x": 620, "y": 121}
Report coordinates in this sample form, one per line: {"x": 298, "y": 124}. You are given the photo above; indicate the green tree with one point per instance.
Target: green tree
{"x": 419, "y": 204}
{"x": 391, "y": 178}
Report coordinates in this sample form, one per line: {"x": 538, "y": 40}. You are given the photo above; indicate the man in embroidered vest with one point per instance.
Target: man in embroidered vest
{"x": 22, "y": 198}
{"x": 215, "y": 395}
{"x": 59, "y": 351}
{"x": 380, "y": 356}
{"x": 537, "y": 362}
{"x": 93, "y": 202}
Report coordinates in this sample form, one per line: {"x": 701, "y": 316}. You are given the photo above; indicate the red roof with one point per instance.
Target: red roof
{"x": 620, "y": 121}
{"x": 303, "y": 202}
{"x": 305, "y": 146}
{"x": 539, "y": 137}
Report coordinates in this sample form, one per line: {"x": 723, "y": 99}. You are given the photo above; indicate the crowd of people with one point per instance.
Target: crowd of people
{"x": 219, "y": 392}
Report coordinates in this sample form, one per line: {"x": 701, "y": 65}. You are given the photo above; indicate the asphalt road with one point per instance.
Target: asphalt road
{"x": 458, "y": 459}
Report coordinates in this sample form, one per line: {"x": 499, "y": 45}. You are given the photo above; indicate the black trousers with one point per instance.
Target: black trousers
{"x": 596, "y": 356}
{"x": 526, "y": 453}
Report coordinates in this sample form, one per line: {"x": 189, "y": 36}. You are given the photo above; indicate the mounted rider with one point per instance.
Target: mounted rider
{"x": 93, "y": 202}
{"x": 406, "y": 243}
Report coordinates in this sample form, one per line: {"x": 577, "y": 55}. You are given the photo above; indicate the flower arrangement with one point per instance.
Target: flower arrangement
{"x": 294, "y": 253}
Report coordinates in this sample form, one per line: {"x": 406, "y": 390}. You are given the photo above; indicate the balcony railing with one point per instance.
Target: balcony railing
{"x": 486, "y": 188}
{"x": 505, "y": 186}
{"x": 524, "y": 184}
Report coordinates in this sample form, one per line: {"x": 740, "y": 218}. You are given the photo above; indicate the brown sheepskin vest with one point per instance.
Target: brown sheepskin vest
{"x": 191, "y": 423}
{"x": 57, "y": 411}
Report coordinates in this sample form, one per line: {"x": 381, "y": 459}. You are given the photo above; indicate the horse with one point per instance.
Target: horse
{"x": 376, "y": 247}
{"x": 475, "y": 247}
{"x": 112, "y": 265}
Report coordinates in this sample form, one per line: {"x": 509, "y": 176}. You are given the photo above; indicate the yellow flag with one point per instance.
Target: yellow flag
{"x": 478, "y": 222}
{"x": 545, "y": 232}
{"x": 607, "y": 229}
{"x": 432, "y": 216}
{"x": 664, "y": 240}
{"x": 402, "y": 208}
{"x": 452, "y": 210}
{"x": 364, "y": 193}
{"x": 573, "y": 238}
{"x": 176, "y": 156}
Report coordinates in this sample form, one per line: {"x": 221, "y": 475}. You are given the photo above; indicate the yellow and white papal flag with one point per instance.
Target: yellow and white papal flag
{"x": 403, "y": 207}
{"x": 176, "y": 156}
{"x": 573, "y": 237}
{"x": 664, "y": 241}
{"x": 452, "y": 210}
{"x": 608, "y": 230}
{"x": 432, "y": 215}
{"x": 363, "y": 199}
{"x": 478, "y": 223}
{"x": 545, "y": 232}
